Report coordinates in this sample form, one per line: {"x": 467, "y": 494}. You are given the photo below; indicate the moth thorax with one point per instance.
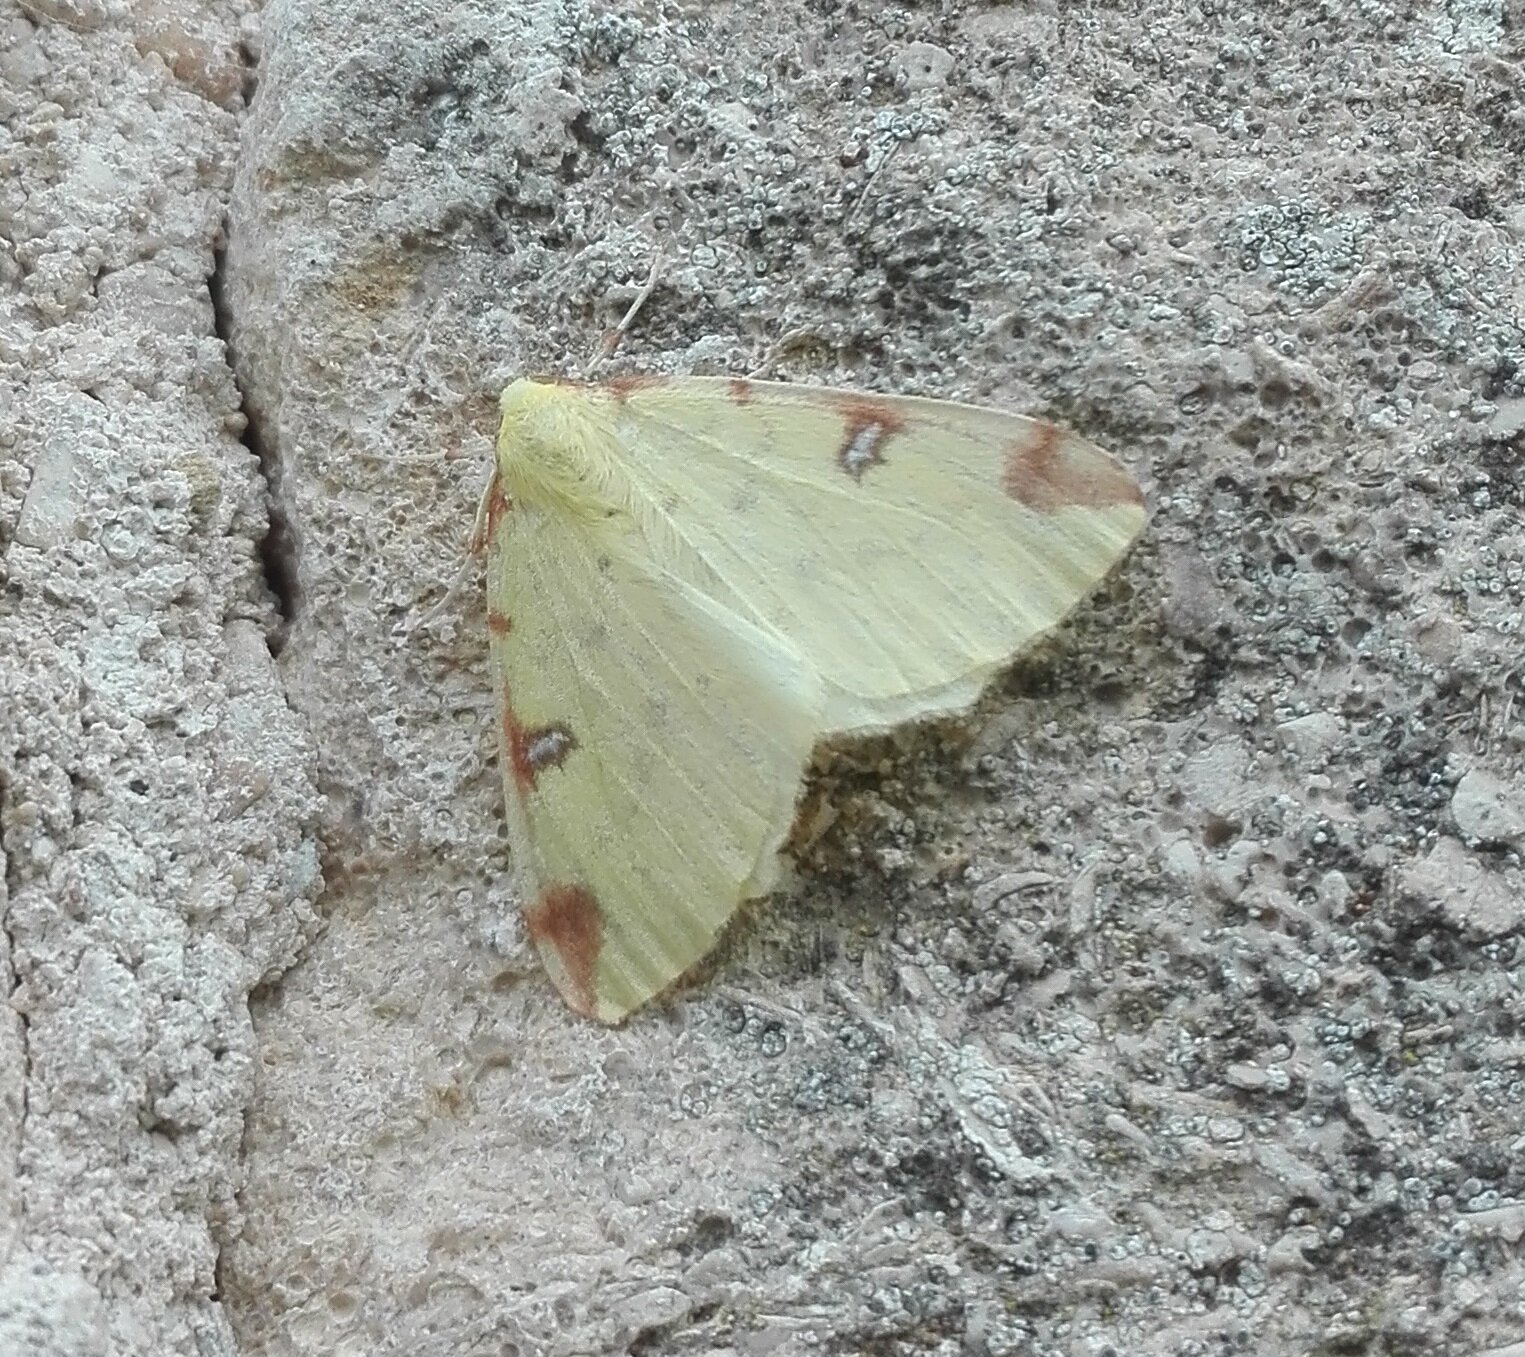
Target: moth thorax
{"x": 556, "y": 450}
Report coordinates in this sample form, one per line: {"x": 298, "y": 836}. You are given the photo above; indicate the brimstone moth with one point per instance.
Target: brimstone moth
{"x": 692, "y": 581}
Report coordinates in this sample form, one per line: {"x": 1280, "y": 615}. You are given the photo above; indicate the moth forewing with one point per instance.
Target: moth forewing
{"x": 692, "y": 581}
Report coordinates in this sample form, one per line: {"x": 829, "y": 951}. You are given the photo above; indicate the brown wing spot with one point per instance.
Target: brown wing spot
{"x": 623, "y": 388}
{"x": 531, "y": 751}
{"x": 499, "y": 624}
{"x": 1050, "y": 471}
{"x": 741, "y": 390}
{"x": 870, "y": 424}
{"x": 497, "y": 505}
{"x": 567, "y": 921}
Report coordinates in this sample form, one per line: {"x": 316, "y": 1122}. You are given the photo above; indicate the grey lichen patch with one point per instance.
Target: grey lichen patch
{"x": 1301, "y": 247}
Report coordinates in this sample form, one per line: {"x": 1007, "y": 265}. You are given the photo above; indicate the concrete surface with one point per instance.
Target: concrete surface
{"x": 1169, "y": 1004}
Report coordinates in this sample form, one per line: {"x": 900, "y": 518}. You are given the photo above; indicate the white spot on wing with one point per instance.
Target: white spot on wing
{"x": 862, "y": 450}
{"x": 547, "y": 747}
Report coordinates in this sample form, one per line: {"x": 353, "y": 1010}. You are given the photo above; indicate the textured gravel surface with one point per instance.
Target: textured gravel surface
{"x": 1169, "y": 1003}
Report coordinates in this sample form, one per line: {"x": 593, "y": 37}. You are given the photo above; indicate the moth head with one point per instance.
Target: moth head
{"x": 557, "y": 448}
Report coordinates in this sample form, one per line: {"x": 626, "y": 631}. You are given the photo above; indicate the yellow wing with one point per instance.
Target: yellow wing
{"x": 710, "y": 575}
{"x": 652, "y": 745}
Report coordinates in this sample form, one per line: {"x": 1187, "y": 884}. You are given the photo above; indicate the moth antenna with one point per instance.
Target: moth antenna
{"x": 869, "y": 186}
{"x": 611, "y": 340}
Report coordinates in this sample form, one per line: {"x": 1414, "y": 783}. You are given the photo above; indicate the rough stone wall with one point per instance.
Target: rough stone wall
{"x": 1169, "y": 1004}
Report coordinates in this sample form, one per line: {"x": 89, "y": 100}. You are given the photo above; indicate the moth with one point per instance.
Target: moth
{"x": 693, "y": 580}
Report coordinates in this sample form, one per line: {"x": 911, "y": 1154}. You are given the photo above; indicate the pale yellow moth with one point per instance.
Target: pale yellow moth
{"x": 692, "y": 581}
